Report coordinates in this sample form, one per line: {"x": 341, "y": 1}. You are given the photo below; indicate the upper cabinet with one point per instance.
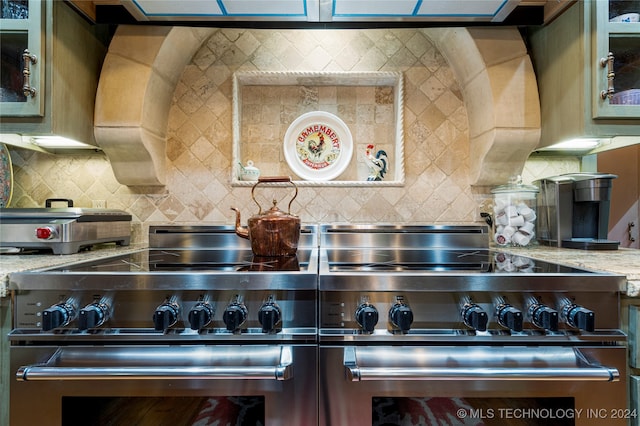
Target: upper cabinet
{"x": 617, "y": 47}
{"x": 21, "y": 72}
{"x": 587, "y": 63}
{"x": 64, "y": 74}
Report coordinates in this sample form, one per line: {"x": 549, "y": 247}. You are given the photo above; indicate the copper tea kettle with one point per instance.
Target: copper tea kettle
{"x": 272, "y": 233}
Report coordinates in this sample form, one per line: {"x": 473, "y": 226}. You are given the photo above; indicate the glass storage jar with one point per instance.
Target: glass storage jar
{"x": 514, "y": 214}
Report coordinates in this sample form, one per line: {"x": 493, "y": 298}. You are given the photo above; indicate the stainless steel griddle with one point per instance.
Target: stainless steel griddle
{"x": 63, "y": 230}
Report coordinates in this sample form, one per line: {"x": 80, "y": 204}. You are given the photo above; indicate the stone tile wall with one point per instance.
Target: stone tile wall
{"x": 198, "y": 190}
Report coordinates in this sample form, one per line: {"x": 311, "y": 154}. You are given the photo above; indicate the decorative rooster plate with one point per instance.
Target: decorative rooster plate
{"x": 318, "y": 146}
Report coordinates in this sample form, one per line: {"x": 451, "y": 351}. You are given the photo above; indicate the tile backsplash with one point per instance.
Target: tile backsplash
{"x": 199, "y": 147}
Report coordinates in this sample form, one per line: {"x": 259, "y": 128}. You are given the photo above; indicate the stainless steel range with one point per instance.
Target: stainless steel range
{"x": 426, "y": 325}
{"x": 367, "y": 325}
{"x": 195, "y": 330}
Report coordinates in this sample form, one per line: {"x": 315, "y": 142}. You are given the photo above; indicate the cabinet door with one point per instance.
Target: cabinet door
{"x": 616, "y": 59}
{"x": 21, "y": 59}
{"x": 625, "y": 197}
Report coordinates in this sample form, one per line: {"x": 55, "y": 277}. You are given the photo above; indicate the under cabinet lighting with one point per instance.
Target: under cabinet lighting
{"x": 59, "y": 142}
{"x": 580, "y": 144}
{"x": 49, "y": 144}
{"x": 588, "y": 146}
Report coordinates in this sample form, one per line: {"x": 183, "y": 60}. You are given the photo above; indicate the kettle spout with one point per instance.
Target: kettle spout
{"x": 240, "y": 230}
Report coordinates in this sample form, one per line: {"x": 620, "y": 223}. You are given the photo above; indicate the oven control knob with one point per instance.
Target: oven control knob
{"x": 201, "y": 315}
{"x": 509, "y": 317}
{"x": 544, "y": 317}
{"x": 475, "y": 317}
{"x": 401, "y": 316}
{"x": 165, "y": 316}
{"x": 234, "y": 316}
{"x": 58, "y": 315}
{"x": 93, "y": 315}
{"x": 269, "y": 316}
{"x": 367, "y": 317}
{"x": 579, "y": 317}
{"x": 46, "y": 233}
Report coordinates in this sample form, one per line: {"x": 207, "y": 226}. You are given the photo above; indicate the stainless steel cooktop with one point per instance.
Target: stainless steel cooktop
{"x": 173, "y": 260}
{"x": 437, "y": 260}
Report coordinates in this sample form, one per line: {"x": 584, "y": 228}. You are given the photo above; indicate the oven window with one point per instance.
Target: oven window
{"x": 408, "y": 411}
{"x": 157, "y": 411}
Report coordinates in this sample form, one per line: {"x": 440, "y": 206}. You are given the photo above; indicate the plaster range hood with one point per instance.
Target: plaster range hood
{"x": 145, "y": 63}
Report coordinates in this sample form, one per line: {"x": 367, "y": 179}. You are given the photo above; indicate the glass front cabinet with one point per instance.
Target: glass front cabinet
{"x": 587, "y": 64}
{"x": 21, "y": 58}
{"x": 49, "y": 90}
{"x": 617, "y": 46}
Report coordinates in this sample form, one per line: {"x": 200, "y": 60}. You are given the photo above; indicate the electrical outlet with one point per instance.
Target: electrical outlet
{"x": 99, "y": 204}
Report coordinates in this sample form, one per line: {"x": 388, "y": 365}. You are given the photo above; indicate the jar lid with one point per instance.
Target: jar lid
{"x": 515, "y": 186}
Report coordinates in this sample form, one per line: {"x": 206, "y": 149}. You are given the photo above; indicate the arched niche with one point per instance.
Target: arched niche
{"x": 144, "y": 64}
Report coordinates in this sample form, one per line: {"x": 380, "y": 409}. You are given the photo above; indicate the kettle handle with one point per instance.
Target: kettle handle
{"x": 274, "y": 179}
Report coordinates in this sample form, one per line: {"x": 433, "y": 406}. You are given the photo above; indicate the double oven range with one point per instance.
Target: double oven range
{"x": 195, "y": 330}
{"x": 425, "y": 326}
{"x": 367, "y": 325}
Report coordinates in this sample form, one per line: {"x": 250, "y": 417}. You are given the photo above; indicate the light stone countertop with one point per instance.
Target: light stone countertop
{"x": 622, "y": 261}
{"x": 19, "y": 262}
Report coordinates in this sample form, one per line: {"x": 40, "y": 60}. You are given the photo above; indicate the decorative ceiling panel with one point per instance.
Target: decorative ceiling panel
{"x": 166, "y": 10}
{"x": 320, "y": 10}
{"x": 154, "y": 8}
{"x": 346, "y": 8}
{"x": 461, "y": 7}
{"x": 266, "y": 7}
{"x": 423, "y": 10}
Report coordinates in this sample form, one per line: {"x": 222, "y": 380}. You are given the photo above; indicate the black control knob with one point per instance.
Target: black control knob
{"x": 475, "y": 317}
{"x": 166, "y": 315}
{"x": 544, "y": 317}
{"x": 53, "y": 317}
{"x": 93, "y": 315}
{"x": 58, "y": 315}
{"x": 401, "y": 316}
{"x": 579, "y": 317}
{"x": 269, "y": 316}
{"x": 234, "y": 316}
{"x": 367, "y": 317}
{"x": 201, "y": 315}
{"x": 509, "y": 317}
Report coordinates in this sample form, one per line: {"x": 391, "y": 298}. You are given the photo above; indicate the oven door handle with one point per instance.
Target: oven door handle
{"x": 487, "y": 367}
{"x": 53, "y": 370}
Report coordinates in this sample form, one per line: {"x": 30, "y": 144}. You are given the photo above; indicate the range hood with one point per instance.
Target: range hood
{"x": 145, "y": 63}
